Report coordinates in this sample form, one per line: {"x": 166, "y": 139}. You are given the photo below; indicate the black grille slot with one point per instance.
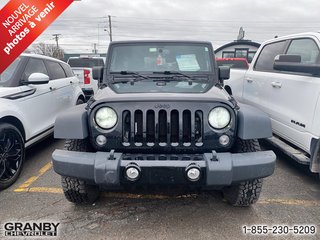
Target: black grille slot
{"x": 198, "y": 127}
{"x": 138, "y": 126}
{"x": 174, "y": 118}
{"x": 126, "y": 126}
{"x": 186, "y": 122}
{"x": 181, "y": 128}
{"x": 151, "y": 129}
{"x": 162, "y": 126}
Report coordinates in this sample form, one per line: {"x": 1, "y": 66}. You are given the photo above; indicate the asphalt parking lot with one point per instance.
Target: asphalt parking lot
{"x": 290, "y": 197}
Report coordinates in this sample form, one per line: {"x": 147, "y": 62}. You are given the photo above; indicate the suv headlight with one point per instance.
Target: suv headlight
{"x": 106, "y": 118}
{"x": 219, "y": 117}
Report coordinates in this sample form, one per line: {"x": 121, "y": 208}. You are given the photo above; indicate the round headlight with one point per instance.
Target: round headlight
{"x": 219, "y": 117}
{"x": 106, "y": 118}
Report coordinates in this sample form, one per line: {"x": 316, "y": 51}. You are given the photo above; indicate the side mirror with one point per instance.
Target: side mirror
{"x": 224, "y": 73}
{"x": 292, "y": 63}
{"x": 289, "y": 58}
{"x": 97, "y": 73}
{"x": 37, "y": 78}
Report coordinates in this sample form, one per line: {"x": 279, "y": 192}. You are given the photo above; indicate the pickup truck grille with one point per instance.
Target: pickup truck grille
{"x": 162, "y": 128}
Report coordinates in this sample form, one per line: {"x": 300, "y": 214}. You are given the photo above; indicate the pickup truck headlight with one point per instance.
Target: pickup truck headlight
{"x": 106, "y": 118}
{"x": 219, "y": 117}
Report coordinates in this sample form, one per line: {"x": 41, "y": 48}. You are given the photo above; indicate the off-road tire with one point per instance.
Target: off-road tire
{"x": 242, "y": 146}
{"x": 79, "y": 145}
{"x": 244, "y": 193}
{"x": 76, "y": 190}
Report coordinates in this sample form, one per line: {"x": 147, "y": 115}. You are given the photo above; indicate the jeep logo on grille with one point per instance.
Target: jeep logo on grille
{"x": 159, "y": 105}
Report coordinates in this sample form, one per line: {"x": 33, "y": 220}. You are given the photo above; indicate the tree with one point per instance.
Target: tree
{"x": 50, "y": 50}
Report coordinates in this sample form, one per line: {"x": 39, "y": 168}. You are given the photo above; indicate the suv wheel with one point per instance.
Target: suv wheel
{"x": 247, "y": 192}
{"x": 77, "y": 190}
{"x": 11, "y": 154}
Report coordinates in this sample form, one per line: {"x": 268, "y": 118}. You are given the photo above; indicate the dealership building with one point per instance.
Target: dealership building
{"x": 239, "y": 48}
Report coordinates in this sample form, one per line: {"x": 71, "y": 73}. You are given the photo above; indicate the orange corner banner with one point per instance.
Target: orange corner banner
{"x": 21, "y": 22}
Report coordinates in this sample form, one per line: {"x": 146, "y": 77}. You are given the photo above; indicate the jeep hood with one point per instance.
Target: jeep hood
{"x": 214, "y": 94}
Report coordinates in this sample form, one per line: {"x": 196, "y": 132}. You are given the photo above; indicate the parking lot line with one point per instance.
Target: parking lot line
{"x": 40, "y": 190}
{"x": 307, "y": 203}
{"x": 32, "y": 179}
{"x": 25, "y": 187}
{"x": 292, "y": 202}
{"x": 297, "y": 202}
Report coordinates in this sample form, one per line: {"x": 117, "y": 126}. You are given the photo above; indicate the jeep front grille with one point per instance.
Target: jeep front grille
{"x": 162, "y": 128}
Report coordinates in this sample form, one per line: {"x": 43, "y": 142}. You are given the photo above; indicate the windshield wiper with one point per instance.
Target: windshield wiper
{"x": 137, "y": 77}
{"x": 179, "y": 74}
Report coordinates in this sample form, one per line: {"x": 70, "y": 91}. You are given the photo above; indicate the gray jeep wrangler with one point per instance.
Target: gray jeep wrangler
{"x": 162, "y": 117}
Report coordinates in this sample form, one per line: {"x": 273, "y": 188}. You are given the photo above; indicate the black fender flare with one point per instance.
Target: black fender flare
{"x": 253, "y": 123}
{"x": 72, "y": 123}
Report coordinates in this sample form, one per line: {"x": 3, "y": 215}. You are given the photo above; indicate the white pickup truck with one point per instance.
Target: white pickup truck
{"x": 82, "y": 67}
{"x": 283, "y": 80}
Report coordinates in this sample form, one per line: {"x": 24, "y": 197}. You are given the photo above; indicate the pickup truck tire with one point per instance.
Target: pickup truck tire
{"x": 79, "y": 101}
{"x": 244, "y": 193}
{"x": 12, "y": 154}
{"x": 76, "y": 190}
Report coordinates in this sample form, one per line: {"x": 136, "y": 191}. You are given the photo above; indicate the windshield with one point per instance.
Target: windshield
{"x": 6, "y": 76}
{"x": 150, "y": 58}
{"x": 86, "y": 62}
{"x": 160, "y": 68}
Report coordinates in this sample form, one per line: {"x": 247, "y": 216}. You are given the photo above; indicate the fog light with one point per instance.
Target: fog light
{"x": 101, "y": 140}
{"x": 132, "y": 172}
{"x": 193, "y": 174}
{"x": 224, "y": 140}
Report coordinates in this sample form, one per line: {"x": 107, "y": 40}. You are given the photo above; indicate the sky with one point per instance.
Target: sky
{"x": 85, "y": 23}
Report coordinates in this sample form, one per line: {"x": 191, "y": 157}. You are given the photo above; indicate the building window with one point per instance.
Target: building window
{"x": 226, "y": 54}
{"x": 241, "y": 53}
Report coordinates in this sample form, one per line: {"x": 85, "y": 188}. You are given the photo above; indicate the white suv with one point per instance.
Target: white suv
{"x": 284, "y": 81}
{"x": 33, "y": 90}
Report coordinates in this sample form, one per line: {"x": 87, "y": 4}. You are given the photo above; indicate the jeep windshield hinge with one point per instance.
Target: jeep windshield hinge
{"x": 111, "y": 156}
{"x": 214, "y": 156}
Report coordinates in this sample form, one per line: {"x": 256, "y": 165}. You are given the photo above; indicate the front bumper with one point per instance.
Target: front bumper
{"x": 217, "y": 169}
